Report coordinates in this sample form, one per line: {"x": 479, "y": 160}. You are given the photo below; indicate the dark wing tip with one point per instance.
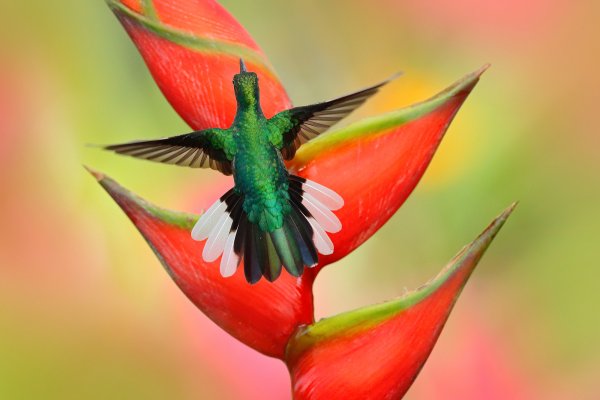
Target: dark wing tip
{"x": 121, "y": 146}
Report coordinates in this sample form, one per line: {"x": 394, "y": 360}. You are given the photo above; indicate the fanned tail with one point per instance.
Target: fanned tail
{"x": 294, "y": 246}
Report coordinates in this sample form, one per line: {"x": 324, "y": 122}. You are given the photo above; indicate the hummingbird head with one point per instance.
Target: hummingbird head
{"x": 245, "y": 85}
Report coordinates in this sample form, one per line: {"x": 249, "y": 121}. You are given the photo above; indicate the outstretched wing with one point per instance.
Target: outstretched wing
{"x": 296, "y": 126}
{"x": 200, "y": 149}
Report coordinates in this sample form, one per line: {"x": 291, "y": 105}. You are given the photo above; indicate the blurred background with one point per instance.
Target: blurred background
{"x": 86, "y": 311}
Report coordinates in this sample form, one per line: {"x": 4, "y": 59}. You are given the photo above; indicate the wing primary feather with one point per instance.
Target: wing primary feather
{"x": 203, "y": 159}
{"x": 186, "y": 156}
{"x": 197, "y": 154}
{"x": 316, "y": 124}
{"x": 145, "y": 151}
{"x": 309, "y": 129}
{"x": 175, "y": 154}
{"x": 153, "y": 156}
{"x": 304, "y": 135}
{"x": 208, "y": 143}
{"x": 309, "y": 121}
{"x": 324, "y": 117}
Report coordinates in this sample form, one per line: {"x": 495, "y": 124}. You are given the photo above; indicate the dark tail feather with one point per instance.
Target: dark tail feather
{"x": 287, "y": 248}
{"x": 304, "y": 234}
{"x": 295, "y": 245}
{"x": 252, "y": 253}
{"x": 260, "y": 255}
{"x": 272, "y": 266}
{"x": 290, "y": 246}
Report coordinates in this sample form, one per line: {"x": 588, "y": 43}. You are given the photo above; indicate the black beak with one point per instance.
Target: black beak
{"x": 242, "y": 66}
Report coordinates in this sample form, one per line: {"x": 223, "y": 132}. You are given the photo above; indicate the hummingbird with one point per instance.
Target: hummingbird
{"x": 270, "y": 218}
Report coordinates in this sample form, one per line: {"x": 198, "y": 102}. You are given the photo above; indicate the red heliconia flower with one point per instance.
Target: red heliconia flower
{"x": 376, "y": 352}
{"x": 192, "y": 48}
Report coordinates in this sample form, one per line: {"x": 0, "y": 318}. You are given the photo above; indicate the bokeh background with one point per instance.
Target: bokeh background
{"x": 86, "y": 311}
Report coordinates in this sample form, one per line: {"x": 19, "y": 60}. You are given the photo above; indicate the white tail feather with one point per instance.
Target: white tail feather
{"x": 321, "y": 213}
{"x": 217, "y": 238}
{"x": 207, "y": 220}
{"x": 230, "y": 259}
{"x": 328, "y": 197}
{"x": 322, "y": 242}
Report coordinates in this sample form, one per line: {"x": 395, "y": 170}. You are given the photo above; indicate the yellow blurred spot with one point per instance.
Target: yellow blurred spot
{"x": 457, "y": 150}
